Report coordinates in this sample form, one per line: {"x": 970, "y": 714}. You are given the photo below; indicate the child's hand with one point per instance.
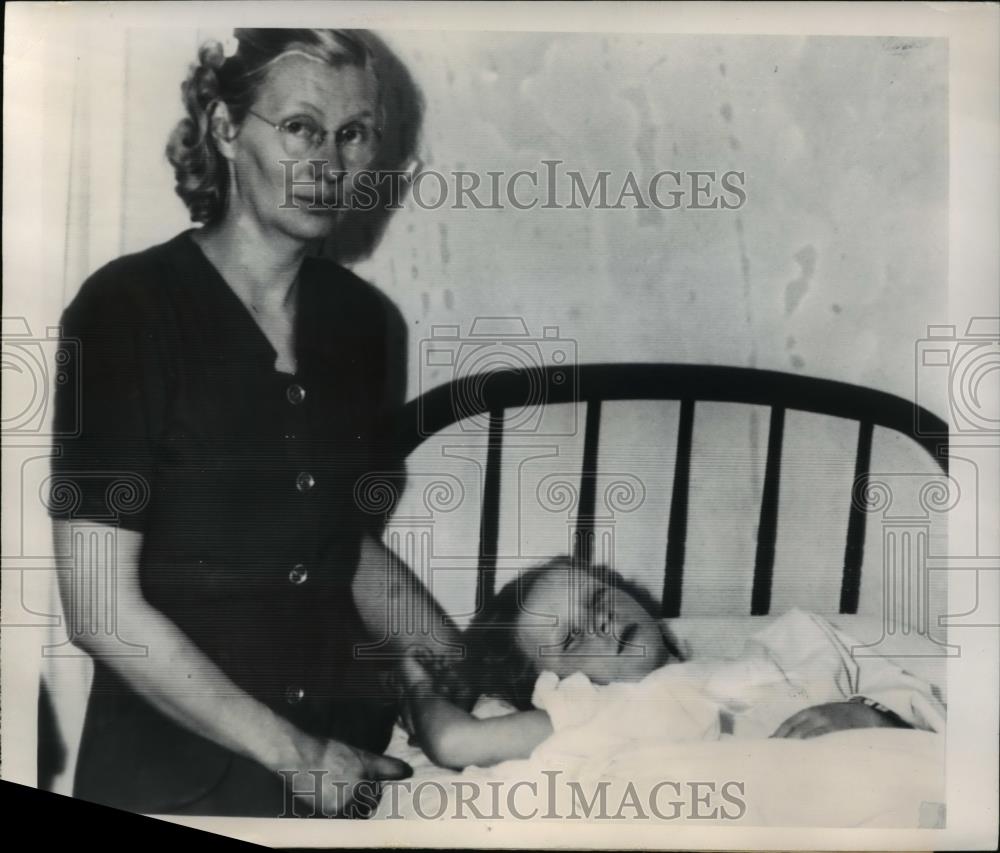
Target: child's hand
{"x": 833, "y": 717}
{"x": 447, "y": 677}
{"x": 417, "y": 681}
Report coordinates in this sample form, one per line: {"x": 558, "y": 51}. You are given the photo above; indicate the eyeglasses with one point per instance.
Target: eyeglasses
{"x": 357, "y": 142}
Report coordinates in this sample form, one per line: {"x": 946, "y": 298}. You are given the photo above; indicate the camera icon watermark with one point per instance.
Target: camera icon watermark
{"x": 965, "y": 367}
{"x": 33, "y": 367}
{"x": 538, "y": 368}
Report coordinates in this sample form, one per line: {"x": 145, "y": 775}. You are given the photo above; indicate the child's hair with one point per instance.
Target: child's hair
{"x": 496, "y": 666}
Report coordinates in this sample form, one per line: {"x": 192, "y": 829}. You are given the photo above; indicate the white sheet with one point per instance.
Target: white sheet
{"x": 714, "y": 638}
{"x": 867, "y": 777}
{"x": 862, "y": 777}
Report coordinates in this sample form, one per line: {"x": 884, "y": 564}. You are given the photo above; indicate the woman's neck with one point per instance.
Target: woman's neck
{"x": 261, "y": 267}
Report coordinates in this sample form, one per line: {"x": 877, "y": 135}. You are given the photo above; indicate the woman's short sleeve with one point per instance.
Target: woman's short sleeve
{"x": 108, "y": 411}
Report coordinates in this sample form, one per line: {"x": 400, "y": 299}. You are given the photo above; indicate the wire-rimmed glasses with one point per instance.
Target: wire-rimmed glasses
{"x": 302, "y": 137}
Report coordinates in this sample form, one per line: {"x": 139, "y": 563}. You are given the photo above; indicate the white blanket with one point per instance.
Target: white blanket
{"x": 799, "y": 661}
{"x": 861, "y": 777}
{"x": 658, "y": 749}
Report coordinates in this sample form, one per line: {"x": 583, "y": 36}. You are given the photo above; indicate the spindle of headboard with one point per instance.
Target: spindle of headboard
{"x": 594, "y": 384}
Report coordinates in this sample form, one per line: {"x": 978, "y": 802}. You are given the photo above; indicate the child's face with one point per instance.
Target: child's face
{"x": 573, "y": 622}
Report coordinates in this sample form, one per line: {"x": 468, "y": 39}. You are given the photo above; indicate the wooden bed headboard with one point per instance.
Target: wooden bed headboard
{"x": 491, "y": 394}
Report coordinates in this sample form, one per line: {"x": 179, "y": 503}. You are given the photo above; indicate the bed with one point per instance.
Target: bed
{"x": 510, "y": 467}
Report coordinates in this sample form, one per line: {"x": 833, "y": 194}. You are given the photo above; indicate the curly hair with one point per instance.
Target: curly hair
{"x": 201, "y": 172}
{"x": 496, "y": 665}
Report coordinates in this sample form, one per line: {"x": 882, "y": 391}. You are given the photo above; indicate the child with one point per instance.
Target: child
{"x": 576, "y": 650}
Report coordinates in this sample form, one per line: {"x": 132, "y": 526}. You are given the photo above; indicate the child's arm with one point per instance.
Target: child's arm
{"x": 454, "y": 738}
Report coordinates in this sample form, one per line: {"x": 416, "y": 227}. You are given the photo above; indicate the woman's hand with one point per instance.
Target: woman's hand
{"x": 418, "y": 684}
{"x": 422, "y": 677}
{"x": 417, "y": 679}
{"x": 338, "y": 780}
{"x": 834, "y": 717}
{"x": 448, "y": 677}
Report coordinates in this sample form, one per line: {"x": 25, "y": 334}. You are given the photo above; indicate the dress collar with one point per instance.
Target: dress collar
{"x": 240, "y": 336}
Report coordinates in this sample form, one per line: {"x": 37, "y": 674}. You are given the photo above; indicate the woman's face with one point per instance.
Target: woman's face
{"x": 573, "y": 622}
{"x": 343, "y": 102}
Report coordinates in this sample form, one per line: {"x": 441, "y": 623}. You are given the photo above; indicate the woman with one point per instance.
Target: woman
{"x": 238, "y": 388}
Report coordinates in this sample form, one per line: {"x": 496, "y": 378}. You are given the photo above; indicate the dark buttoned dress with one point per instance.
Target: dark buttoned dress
{"x": 243, "y": 481}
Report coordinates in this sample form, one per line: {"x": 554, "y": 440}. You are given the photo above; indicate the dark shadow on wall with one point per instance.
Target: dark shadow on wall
{"x": 360, "y": 231}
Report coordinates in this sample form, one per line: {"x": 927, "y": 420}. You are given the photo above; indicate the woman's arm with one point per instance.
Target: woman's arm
{"x": 400, "y": 612}
{"x": 180, "y": 681}
{"x": 452, "y": 737}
